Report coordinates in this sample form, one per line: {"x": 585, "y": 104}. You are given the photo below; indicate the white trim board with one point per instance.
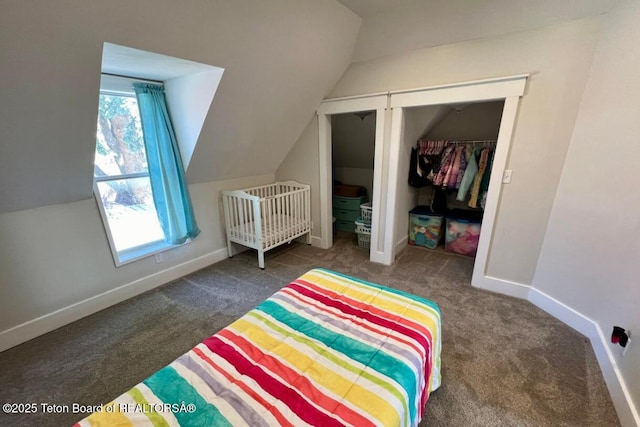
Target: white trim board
{"x": 472, "y": 91}
{"x": 627, "y": 412}
{"x": 316, "y": 241}
{"x": 352, "y": 104}
{"x": 401, "y": 244}
{"x": 330, "y": 107}
{"x": 502, "y": 286}
{"x": 509, "y": 89}
{"x": 386, "y": 167}
{"x": 516, "y": 79}
{"x": 49, "y": 322}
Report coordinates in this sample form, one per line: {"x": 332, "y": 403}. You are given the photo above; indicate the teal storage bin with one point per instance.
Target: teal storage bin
{"x": 425, "y": 227}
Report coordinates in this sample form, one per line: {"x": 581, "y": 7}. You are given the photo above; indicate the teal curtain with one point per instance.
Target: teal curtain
{"x": 166, "y": 172}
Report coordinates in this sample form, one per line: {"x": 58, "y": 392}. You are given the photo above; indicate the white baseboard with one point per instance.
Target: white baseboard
{"x": 47, "y": 323}
{"x": 501, "y": 286}
{"x": 316, "y": 241}
{"x": 627, "y": 412}
{"x": 562, "y": 312}
{"x": 400, "y": 245}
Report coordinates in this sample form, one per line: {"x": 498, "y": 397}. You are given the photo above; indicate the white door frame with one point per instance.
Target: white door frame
{"x": 387, "y": 157}
{"x": 376, "y": 102}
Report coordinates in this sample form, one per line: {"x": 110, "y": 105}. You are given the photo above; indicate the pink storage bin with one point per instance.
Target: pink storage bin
{"x": 462, "y": 236}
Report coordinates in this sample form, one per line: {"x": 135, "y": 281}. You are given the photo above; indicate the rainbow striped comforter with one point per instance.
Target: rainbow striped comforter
{"x": 326, "y": 350}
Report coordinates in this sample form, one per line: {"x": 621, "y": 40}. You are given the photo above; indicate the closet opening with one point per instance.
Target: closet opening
{"x": 449, "y": 173}
{"x": 359, "y": 124}
{"x": 392, "y": 199}
{"x": 352, "y": 167}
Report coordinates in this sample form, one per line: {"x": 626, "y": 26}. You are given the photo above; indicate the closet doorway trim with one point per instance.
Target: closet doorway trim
{"x": 477, "y": 90}
{"x": 373, "y": 102}
{"x": 509, "y": 89}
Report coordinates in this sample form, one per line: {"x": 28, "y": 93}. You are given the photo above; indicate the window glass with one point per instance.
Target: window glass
{"x": 131, "y": 214}
{"x": 122, "y": 179}
{"x": 119, "y": 144}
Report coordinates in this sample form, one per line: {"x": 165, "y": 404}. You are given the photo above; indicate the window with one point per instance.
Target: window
{"x": 140, "y": 221}
{"x": 121, "y": 175}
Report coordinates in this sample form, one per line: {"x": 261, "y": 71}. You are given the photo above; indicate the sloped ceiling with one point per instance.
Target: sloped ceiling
{"x": 281, "y": 58}
{"x": 391, "y": 27}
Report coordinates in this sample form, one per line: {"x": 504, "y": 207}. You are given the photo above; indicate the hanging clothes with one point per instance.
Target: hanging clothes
{"x": 421, "y": 168}
{"x": 445, "y": 165}
{"x": 458, "y": 168}
{"x": 431, "y": 148}
{"x": 450, "y": 166}
{"x": 475, "y": 189}
{"x": 417, "y": 177}
{"x": 469, "y": 175}
{"x": 438, "y": 201}
{"x": 454, "y": 171}
{"x": 464, "y": 166}
{"x": 484, "y": 185}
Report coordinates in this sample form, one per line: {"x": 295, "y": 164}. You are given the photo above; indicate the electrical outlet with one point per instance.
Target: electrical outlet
{"x": 626, "y": 347}
{"x": 159, "y": 258}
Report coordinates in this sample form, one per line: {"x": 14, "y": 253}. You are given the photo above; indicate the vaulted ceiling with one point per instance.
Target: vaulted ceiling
{"x": 281, "y": 58}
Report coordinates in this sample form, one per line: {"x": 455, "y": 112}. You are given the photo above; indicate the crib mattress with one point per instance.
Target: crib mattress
{"x": 325, "y": 350}
{"x": 279, "y": 228}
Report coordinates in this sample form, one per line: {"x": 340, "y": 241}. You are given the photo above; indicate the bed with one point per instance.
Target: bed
{"x": 326, "y": 350}
{"x": 267, "y": 216}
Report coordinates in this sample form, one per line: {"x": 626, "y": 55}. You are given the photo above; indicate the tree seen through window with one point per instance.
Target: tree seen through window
{"x": 121, "y": 173}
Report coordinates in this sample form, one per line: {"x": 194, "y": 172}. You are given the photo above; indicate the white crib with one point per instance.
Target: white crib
{"x": 267, "y": 216}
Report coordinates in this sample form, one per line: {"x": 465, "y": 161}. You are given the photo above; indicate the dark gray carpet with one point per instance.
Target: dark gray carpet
{"x": 504, "y": 362}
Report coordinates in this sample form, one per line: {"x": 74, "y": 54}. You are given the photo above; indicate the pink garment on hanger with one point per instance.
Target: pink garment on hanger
{"x": 458, "y": 168}
{"x": 445, "y": 165}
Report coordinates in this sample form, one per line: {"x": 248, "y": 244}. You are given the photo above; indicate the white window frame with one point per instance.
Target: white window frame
{"x": 123, "y": 86}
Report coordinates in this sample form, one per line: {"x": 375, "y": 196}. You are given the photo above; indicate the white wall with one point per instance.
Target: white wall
{"x": 353, "y": 146}
{"x": 353, "y": 140}
{"x": 189, "y": 98}
{"x": 472, "y": 121}
{"x": 301, "y": 164}
{"x": 427, "y": 118}
{"x": 56, "y": 256}
{"x": 591, "y": 251}
{"x": 542, "y": 131}
{"x": 280, "y": 59}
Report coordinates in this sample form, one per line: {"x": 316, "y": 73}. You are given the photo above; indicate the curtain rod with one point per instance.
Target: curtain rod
{"x": 132, "y": 78}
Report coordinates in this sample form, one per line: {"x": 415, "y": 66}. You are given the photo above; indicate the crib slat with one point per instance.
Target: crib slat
{"x": 289, "y": 223}
{"x": 243, "y": 219}
{"x": 294, "y": 213}
{"x": 268, "y": 229}
{"x": 299, "y": 214}
{"x": 283, "y": 215}
{"x": 273, "y": 221}
{"x": 277, "y": 219}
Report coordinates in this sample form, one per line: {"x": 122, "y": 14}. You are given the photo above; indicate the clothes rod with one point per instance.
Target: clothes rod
{"x": 461, "y": 141}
